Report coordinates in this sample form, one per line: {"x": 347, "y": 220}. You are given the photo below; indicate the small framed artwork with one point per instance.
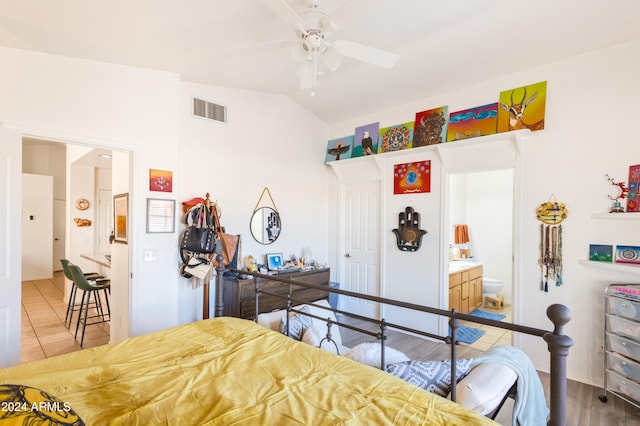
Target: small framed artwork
{"x": 274, "y": 261}
{"x": 160, "y": 216}
{"x": 160, "y": 180}
{"x": 628, "y": 254}
{"x": 120, "y": 217}
{"x": 412, "y": 178}
{"x": 338, "y": 149}
{"x": 601, "y": 253}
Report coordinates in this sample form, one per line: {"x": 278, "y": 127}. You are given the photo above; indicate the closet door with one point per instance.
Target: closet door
{"x": 361, "y": 244}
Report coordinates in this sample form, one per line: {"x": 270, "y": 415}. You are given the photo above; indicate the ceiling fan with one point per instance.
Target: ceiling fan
{"x": 312, "y": 45}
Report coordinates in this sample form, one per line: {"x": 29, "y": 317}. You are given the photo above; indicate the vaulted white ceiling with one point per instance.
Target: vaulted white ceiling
{"x": 442, "y": 45}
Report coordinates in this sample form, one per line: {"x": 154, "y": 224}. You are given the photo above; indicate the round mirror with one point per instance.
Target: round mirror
{"x": 265, "y": 225}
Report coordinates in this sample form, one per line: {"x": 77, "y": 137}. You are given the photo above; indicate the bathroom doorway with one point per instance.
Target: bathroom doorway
{"x": 483, "y": 200}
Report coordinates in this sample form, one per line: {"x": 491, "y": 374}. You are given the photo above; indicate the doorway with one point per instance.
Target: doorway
{"x": 89, "y": 176}
{"x": 483, "y": 200}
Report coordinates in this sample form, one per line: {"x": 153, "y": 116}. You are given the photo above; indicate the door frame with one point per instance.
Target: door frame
{"x": 121, "y": 329}
{"x": 517, "y": 260}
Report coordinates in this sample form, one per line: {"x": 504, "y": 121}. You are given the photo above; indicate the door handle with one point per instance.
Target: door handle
{"x": 347, "y": 255}
{"x": 56, "y": 239}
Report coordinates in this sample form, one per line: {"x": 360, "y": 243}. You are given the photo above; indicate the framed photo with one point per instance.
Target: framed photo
{"x": 160, "y": 216}
{"x": 274, "y": 261}
{"x": 120, "y": 217}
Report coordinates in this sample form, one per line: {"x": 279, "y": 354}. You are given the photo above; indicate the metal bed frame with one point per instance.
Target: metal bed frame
{"x": 558, "y": 343}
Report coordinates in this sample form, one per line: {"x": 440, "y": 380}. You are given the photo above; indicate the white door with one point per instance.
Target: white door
{"x": 10, "y": 246}
{"x": 59, "y": 221}
{"x": 361, "y": 242}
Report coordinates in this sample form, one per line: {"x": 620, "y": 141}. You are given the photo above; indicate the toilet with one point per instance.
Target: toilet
{"x": 490, "y": 289}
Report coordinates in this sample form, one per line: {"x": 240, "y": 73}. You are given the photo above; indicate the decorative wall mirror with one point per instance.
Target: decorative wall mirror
{"x": 265, "y": 224}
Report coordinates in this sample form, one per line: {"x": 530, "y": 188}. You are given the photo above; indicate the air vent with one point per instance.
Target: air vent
{"x": 209, "y": 110}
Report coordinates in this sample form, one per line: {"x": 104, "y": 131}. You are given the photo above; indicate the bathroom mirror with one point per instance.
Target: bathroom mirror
{"x": 265, "y": 225}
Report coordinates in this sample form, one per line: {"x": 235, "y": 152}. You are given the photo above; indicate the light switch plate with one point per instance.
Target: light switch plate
{"x": 150, "y": 255}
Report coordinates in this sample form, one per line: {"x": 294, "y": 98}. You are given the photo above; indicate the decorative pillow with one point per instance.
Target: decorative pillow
{"x": 484, "y": 387}
{"x": 370, "y": 354}
{"x": 432, "y": 376}
{"x": 297, "y": 324}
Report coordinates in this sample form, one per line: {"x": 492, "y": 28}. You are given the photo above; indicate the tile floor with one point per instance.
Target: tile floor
{"x": 492, "y": 336}
{"x": 43, "y": 331}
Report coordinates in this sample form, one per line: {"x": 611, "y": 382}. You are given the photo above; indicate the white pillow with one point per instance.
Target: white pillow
{"x": 370, "y": 354}
{"x": 484, "y": 387}
{"x": 314, "y": 335}
{"x": 272, "y": 319}
{"x": 323, "y": 313}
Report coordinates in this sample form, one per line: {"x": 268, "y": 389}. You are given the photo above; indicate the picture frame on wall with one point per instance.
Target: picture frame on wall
{"x": 160, "y": 180}
{"x": 160, "y": 216}
{"x": 274, "y": 261}
{"x": 120, "y": 217}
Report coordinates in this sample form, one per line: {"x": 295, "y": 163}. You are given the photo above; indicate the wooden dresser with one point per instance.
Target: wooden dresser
{"x": 239, "y": 294}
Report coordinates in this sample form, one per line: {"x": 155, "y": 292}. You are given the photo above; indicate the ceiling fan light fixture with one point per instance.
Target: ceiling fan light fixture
{"x": 305, "y": 72}
{"x": 331, "y": 58}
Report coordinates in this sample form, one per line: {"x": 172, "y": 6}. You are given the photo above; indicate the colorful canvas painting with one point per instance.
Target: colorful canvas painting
{"x": 430, "y": 127}
{"x": 339, "y": 149}
{"x": 473, "y": 122}
{"x": 160, "y": 180}
{"x": 522, "y": 108}
{"x": 633, "y": 198}
{"x": 366, "y": 140}
{"x": 412, "y": 178}
{"x": 395, "y": 138}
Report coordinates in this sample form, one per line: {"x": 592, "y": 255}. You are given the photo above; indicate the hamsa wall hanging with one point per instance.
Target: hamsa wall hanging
{"x": 408, "y": 233}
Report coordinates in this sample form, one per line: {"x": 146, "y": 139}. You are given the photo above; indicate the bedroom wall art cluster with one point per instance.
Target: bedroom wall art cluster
{"x": 517, "y": 108}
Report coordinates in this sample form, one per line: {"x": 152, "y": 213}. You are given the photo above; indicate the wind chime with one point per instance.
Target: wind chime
{"x": 551, "y": 214}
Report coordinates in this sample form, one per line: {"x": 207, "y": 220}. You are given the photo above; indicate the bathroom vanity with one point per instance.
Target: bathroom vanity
{"x": 465, "y": 286}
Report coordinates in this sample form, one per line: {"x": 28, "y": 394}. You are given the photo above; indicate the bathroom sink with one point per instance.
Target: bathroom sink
{"x": 459, "y": 265}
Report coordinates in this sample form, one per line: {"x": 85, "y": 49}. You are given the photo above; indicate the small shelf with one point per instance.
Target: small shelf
{"x": 616, "y": 216}
{"x": 611, "y": 266}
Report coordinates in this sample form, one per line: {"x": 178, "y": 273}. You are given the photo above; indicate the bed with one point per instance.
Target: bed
{"x": 217, "y": 371}
{"x": 228, "y": 370}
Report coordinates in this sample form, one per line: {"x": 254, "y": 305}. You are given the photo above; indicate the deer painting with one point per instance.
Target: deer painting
{"x": 516, "y": 112}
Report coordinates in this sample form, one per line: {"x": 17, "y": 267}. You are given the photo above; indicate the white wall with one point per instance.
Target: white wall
{"x": 590, "y": 119}
{"x": 37, "y": 226}
{"x": 268, "y": 141}
{"x": 117, "y": 107}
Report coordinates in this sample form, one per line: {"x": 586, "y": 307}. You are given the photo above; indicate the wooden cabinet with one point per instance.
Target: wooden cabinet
{"x": 465, "y": 290}
{"x": 239, "y": 294}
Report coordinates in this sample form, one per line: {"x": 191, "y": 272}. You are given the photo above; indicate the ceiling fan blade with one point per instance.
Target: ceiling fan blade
{"x": 281, "y": 9}
{"x": 257, "y": 48}
{"x": 364, "y": 53}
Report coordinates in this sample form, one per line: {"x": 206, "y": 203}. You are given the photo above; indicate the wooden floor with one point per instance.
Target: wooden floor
{"x": 43, "y": 331}
{"x": 583, "y": 406}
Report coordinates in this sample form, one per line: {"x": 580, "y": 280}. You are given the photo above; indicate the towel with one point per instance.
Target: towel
{"x": 530, "y": 407}
{"x": 462, "y": 234}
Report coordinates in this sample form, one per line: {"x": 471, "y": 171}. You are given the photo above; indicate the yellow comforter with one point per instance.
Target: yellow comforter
{"x": 228, "y": 371}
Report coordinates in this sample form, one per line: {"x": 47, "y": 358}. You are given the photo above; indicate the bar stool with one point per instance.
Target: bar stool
{"x": 71, "y": 305}
{"x": 90, "y": 288}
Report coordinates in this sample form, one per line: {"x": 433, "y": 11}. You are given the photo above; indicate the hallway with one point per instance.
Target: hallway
{"x": 43, "y": 331}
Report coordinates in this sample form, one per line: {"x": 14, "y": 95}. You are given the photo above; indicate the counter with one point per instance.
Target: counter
{"x": 98, "y": 258}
